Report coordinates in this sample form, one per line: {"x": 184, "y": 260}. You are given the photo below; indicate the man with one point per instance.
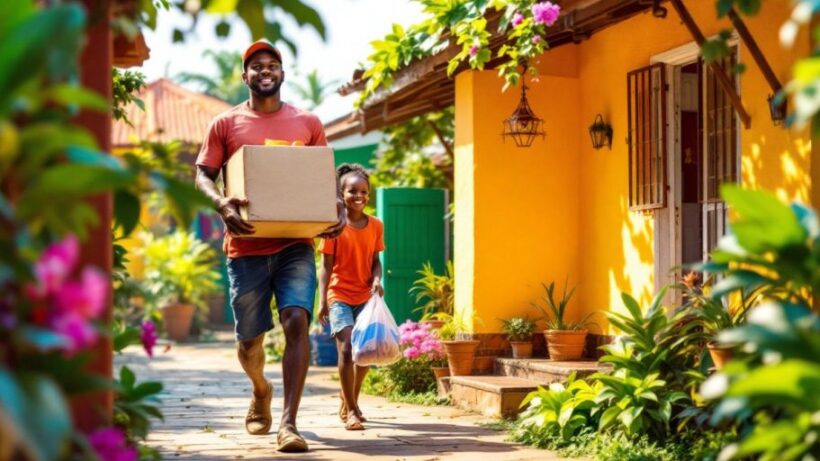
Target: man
{"x": 260, "y": 268}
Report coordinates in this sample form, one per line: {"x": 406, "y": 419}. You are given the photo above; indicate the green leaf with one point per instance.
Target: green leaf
{"x": 126, "y": 211}
{"x": 77, "y": 95}
{"x": 177, "y": 36}
{"x": 303, "y": 14}
{"x": 252, "y": 13}
{"x": 127, "y": 379}
{"x": 46, "y": 41}
{"x": 609, "y": 417}
{"x": 223, "y": 29}
{"x": 83, "y": 156}
{"x": 794, "y": 381}
{"x": 38, "y": 411}
{"x": 42, "y": 339}
{"x": 763, "y": 222}
{"x": 69, "y": 181}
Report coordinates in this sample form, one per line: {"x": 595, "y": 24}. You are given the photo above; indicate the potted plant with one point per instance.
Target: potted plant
{"x": 519, "y": 333}
{"x": 460, "y": 353}
{"x": 420, "y": 343}
{"x": 180, "y": 270}
{"x": 712, "y": 316}
{"x": 565, "y": 339}
{"x": 436, "y": 292}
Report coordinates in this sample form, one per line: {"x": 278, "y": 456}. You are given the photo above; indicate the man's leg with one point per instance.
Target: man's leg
{"x": 251, "y": 295}
{"x": 295, "y": 362}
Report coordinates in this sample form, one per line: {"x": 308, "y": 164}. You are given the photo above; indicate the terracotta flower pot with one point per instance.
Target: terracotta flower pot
{"x": 460, "y": 356}
{"x": 177, "y": 319}
{"x": 434, "y": 324}
{"x": 565, "y": 345}
{"x": 720, "y": 354}
{"x": 441, "y": 372}
{"x": 521, "y": 349}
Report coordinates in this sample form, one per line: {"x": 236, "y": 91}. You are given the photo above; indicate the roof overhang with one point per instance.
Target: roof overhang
{"x": 423, "y": 86}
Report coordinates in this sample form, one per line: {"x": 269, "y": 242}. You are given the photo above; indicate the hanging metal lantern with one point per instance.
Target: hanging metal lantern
{"x": 777, "y": 109}
{"x": 523, "y": 125}
{"x": 600, "y": 132}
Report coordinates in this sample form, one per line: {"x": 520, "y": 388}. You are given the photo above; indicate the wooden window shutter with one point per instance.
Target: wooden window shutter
{"x": 721, "y": 127}
{"x": 646, "y": 106}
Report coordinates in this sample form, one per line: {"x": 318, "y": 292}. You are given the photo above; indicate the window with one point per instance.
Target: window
{"x": 646, "y": 105}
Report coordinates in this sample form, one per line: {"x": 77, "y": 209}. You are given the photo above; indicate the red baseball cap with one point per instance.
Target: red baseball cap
{"x": 261, "y": 45}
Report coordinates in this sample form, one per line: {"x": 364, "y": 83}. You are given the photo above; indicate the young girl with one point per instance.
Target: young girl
{"x": 350, "y": 273}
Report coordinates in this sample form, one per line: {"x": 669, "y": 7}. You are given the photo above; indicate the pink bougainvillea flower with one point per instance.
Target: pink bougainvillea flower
{"x": 85, "y": 297}
{"x": 517, "y": 19}
{"x": 412, "y": 353}
{"x": 148, "y": 336}
{"x": 473, "y": 50}
{"x": 55, "y": 263}
{"x": 536, "y": 40}
{"x": 110, "y": 445}
{"x": 78, "y": 332}
{"x": 545, "y": 13}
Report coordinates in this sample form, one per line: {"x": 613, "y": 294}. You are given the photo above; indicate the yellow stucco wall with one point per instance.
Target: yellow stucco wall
{"x": 511, "y": 232}
{"x": 559, "y": 209}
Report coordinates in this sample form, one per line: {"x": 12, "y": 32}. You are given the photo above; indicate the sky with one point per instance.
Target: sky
{"x": 350, "y": 27}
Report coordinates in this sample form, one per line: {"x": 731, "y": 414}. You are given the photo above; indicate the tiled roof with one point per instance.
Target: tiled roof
{"x": 171, "y": 113}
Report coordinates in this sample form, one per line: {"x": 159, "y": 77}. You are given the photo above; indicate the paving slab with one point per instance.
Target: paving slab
{"x": 206, "y": 396}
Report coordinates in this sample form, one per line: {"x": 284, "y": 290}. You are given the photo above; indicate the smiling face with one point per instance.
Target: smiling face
{"x": 355, "y": 192}
{"x": 263, "y": 74}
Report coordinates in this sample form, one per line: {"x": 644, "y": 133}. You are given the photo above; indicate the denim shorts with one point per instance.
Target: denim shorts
{"x": 343, "y": 315}
{"x": 290, "y": 275}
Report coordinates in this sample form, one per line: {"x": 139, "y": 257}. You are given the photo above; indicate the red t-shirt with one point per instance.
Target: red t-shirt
{"x": 242, "y": 126}
{"x": 352, "y": 276}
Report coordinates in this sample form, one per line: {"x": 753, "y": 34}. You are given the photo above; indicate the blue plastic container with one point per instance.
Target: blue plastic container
{"x": 323, "y": 349}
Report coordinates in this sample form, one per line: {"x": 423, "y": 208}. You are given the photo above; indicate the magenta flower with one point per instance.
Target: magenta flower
{"x": 110, "y": 445}
{"x": 545, "y": 13}
{"x": 148, "y": 336}
{"x": 473, "y": 50}
{"x": 517, "y": 19}
{"x": 78, "y": 332}
{"x": 536, "y": 40}
{"x": 85, "y": 297}
{"x": 412, "y": 353}
{"x": 55, "y": 264}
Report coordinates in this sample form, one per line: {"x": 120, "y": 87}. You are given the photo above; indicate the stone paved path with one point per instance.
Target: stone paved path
{"x": 206, "y": 397}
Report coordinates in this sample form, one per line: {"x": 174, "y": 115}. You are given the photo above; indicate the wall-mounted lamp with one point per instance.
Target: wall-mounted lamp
{"x": 777, "y": 109}
{"x": 600, "y": 132}
{"x": 523, "y": 125}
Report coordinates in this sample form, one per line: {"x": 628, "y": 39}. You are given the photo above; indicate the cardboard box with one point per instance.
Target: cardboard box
{"x": 291, "y": 190}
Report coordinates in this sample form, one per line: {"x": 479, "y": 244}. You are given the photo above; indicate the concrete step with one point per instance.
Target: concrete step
{"x": 497, "y": 396}
{"x": 545, "y": 371}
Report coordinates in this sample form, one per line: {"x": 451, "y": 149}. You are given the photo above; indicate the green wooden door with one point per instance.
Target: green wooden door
{"x": 415, "y": 231}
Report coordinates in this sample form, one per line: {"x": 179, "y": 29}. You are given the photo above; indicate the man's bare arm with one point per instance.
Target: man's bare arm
{"x": 227, "y": 207}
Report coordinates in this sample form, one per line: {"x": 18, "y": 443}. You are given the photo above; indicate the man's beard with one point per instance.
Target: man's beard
{"x": 259, "y": 92}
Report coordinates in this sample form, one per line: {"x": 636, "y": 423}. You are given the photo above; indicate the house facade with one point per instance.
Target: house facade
{"x": 616, "y": 219}
{"x": 620, "y": 218}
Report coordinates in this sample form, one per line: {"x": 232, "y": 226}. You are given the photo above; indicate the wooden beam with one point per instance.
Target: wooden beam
{"x": 447, "y": 146}
{"x": 758, "y": 56}
{"x": 724, "y": 81}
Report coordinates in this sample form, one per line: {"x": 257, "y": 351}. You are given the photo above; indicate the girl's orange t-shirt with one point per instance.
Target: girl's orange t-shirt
{"x": 351, "y": 277}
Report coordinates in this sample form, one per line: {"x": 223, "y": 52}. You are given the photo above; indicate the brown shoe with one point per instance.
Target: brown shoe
{"x": 258, "y": 420}
{"x": 290, "y": 441}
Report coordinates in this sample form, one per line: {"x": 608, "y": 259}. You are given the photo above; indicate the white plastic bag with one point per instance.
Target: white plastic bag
{"x": 375, "y": 336}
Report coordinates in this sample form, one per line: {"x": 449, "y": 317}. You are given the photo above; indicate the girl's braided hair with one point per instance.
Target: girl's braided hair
{"x": 352, "y": 168}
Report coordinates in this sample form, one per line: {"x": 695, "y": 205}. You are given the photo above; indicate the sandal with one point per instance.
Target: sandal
{"x": 290, "y": 441}
{"x": 258, "y": 419}
{"x": 354, "y": 423}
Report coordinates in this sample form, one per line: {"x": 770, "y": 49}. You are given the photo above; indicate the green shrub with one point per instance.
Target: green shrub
{"x": 559, "y": 412}
{"x": 411, "y": 376}
{"x": 518, "y": 328}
